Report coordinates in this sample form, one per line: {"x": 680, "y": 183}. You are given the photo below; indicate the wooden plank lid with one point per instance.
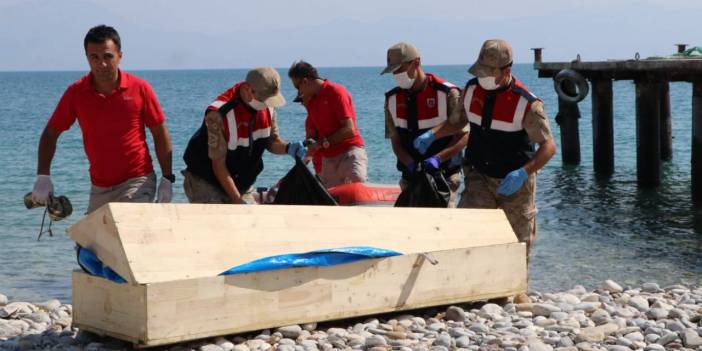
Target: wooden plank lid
{"x": 148, "y": 243}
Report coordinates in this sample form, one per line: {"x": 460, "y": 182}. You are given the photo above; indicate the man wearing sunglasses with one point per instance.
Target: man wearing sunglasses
{"x": 420, "y": 102}
{"x": 331, "y": 122}
{"x": 506, "y": 120}
{"x": 225, "y": 156}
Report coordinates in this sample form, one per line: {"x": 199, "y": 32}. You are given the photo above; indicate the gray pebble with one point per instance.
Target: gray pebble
{"x": 651, "y": 338}
{"x": 536, "y": 345}
{"x": 544, "y": 309}
{"x": 587, "y": 306}
{"x": 624, "y": 341}
{"x": 639, "y": 303}
{"x": 690, "y": 338}
{"x": 463, "y": 342}
{"x": 375, "y": 340}
{"x": 479, "y": 328}
{"x": 443, "y": 340}
{"x": 612, "y": 286}
{"x": 210, "y": 347}
{"x": 667, "y": 339}
{"x": 559, "y": 316}
{"x": 600, "y": 317}
{"x": 436, "y": 326}
{"x": 458, "y": 332}
{"x": 455, "y": 313}
{"x": 543, "y": 322}
{"x": 309, "y": 326}
{"x": 290, "y": 331}
{"x": 678, "y": 313}
{"x": 674, "y": 326}
{"x": 657, "y": 313}
{"x": 618, "y": 348}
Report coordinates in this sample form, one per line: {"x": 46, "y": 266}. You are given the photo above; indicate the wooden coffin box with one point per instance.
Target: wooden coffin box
{"x": 171, "y": 255}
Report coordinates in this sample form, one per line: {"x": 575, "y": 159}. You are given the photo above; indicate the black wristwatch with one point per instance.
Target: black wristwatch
{"x": 170, "y": 177}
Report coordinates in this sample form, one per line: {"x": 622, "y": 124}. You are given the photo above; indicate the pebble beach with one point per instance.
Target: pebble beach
{"x": 612, "y": 317}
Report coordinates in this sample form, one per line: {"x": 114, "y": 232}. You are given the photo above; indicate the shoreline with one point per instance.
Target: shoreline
{"x": 610, "y": 318}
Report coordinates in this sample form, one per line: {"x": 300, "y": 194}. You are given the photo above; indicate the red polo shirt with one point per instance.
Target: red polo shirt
{"x": 113, "y": 130}
{"x": 325, "y": 112}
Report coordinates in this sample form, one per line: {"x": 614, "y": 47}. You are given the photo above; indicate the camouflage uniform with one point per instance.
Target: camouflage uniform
{"x": 520, "y": 207}
{"x": 454, "y": 117}
{"x": 199, "y": 190}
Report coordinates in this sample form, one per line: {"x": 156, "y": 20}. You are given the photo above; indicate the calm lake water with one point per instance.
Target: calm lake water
{"x": 590, "y": 229}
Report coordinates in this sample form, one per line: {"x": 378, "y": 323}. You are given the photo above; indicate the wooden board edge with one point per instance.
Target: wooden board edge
{"x": 520, "y": 287}
{"x": 225, "y": 332}
{"x": 83, "y": 317}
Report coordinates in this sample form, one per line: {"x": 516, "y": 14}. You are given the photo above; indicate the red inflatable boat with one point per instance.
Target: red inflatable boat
{"x": 365, "y": 194}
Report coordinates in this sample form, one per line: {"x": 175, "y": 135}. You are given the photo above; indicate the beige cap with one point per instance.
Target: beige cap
{"x": 265, "y": 81}
{"x": 399, "y": 54}
{"x": 495, "y": 54}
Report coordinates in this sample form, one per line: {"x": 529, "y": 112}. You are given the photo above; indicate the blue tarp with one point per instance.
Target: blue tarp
{"x": 92, "y": 264}
{"x": 326, "y": 257}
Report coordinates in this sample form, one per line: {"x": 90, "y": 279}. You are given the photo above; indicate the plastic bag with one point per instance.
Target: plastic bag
{"x": 91, "y": 264}
{"x": 425, "y": 190}
{"x": 300, "y": 187}
{"x": 324, "y": 257}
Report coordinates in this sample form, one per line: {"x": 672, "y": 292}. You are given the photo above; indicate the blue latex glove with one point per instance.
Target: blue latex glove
{"x": 432, "y": 163}
{"x": 296, "y": 149}
{"x": 512, "y": 182}
{"x": 422, "y": 142}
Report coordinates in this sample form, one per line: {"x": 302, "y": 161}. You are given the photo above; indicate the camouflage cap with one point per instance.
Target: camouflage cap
{"x": 265, "y": 81}
{"x": 495, "y": 54}
{"x": 399, "y": 54}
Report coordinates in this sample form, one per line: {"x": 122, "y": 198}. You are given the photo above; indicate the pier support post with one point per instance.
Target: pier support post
{"x": 648, "y": 140}
{"x": 602, "y": 125}
{"x": 666, "y": 124}
{"x": 697, "y": 141}
{"x": 567, "y": 118}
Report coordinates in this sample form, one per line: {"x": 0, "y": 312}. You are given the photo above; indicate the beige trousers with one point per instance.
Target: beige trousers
{"x": 139, "y": 189}
{"x": 200, "y": 191}
{"x": 348, "y": 167}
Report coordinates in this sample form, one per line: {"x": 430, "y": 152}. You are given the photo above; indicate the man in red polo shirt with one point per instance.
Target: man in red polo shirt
{"x": 331, "y": 122}
{"x": 113, "y": 108}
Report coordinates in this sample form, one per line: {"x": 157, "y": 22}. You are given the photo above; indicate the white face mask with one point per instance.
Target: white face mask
{"x": 257, "y": 105}
{"x": 403, "y": 80}
{"x": 488, "y": 83}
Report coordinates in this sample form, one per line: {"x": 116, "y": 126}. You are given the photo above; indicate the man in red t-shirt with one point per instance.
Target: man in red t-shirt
{"x": 331, "y": 122}
{"x": 113, "y": 108}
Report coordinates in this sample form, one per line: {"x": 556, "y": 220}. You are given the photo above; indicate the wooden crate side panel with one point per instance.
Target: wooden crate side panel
{"x": 104, "y": 307}
{"x": 166, "y": 242}
{"x": 98, "y": 232}
{"x": 198, "y": 308}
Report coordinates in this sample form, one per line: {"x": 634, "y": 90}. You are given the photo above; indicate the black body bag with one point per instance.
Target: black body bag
{"x": 300, "y": 187}
{"x": 425, "y": 190}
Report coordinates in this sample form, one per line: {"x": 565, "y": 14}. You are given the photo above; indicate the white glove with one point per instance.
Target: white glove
{"x": 165, "y": 191}
{"x": 42, "y": 189}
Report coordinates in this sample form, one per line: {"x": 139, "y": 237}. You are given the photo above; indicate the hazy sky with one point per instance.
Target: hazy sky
{"x": 177, "y": 34}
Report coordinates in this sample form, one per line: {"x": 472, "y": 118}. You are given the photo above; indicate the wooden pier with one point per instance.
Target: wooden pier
{"x": 653, "y": 118}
